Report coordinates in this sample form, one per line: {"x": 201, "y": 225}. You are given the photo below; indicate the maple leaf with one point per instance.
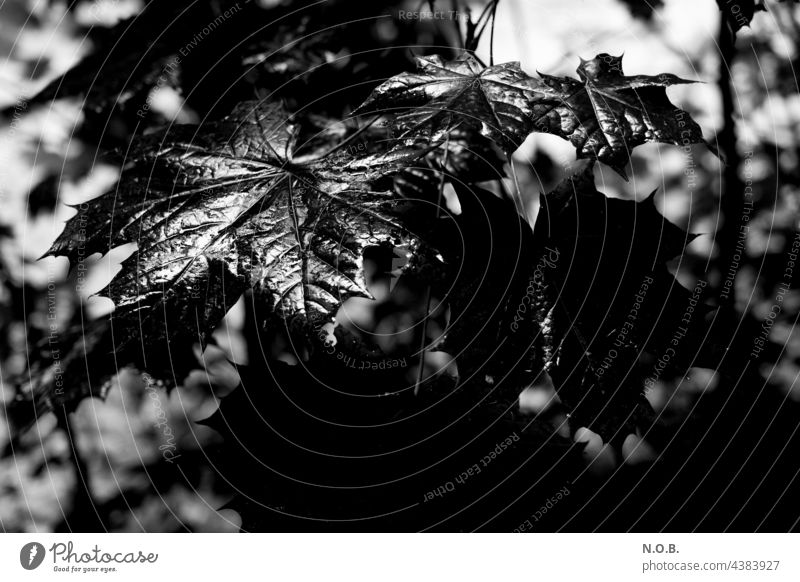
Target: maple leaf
{"x": 224, "y": 207}
{"x": 604, "y": 113}
{"x": 489, "y": 282}
{"x": 615, "y": 300}
{"x": 495, "y": 102}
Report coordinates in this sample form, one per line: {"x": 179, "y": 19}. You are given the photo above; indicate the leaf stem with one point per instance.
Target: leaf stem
{"x": 491, "y": 33}
{"x": 457, "y": 23}
{"x": 476, "y": 37}
{"x": 428, "y": 294}
{"x": 518, "y": 200}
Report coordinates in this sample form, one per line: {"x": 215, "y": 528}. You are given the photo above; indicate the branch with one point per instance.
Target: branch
{"x": 732, "y": 188}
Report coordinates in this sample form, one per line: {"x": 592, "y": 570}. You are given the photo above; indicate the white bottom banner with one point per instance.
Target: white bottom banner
{"x": 400, "y": 557}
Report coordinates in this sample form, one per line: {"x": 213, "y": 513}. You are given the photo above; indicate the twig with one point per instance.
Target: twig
{"x": 457, "y": 22}
{"x": 491, "y": 34}
{"x": 476, "y": 37}
{"x": 428, "y": 293}
{"x": 732, "y": 188}
{"x": 518, "y": 200}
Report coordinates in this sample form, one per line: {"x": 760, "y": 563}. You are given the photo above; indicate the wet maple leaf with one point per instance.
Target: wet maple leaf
{"x": 604, "y": 113}
{"x": 494, "y": 101}
{"x": 218, "y": 209}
